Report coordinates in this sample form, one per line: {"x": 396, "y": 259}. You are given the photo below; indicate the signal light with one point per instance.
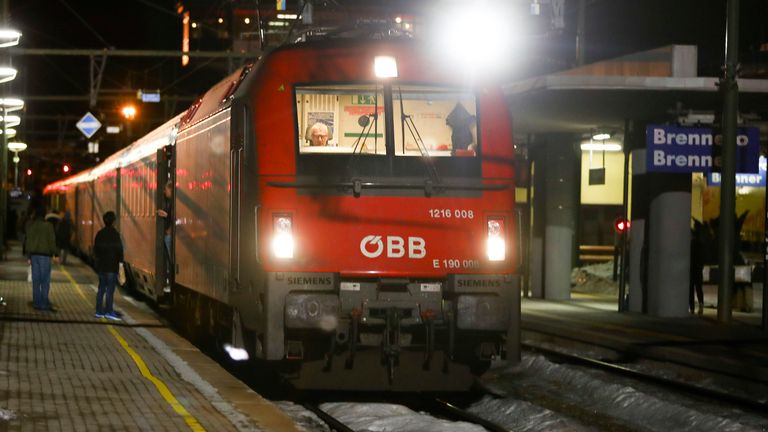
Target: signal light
{"x": 65, "y": 168}
{"x": 620, "y": 225}
{"x": 29, "y": 171}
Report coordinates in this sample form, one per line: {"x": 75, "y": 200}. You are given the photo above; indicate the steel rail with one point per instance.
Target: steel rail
{"x": 742, "y": 401}
{"x": 455, "y": 413}
{"x": 330, "y": 420}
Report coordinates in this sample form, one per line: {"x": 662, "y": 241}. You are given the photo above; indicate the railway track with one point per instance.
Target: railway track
{"x": 622, "y": 368}
{"x": 440, "y": 408}
{"x": 333, "y": 423}
{"x": 452, "y": 412}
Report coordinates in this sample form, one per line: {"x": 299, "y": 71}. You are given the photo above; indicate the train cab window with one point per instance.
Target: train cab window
{"x": 432, "y": 121}
{"x": 340, "y": 119}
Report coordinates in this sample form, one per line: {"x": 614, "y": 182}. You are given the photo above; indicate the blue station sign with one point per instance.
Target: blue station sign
{"x": 677, "y": 149}
{"x": 743, "y": 179}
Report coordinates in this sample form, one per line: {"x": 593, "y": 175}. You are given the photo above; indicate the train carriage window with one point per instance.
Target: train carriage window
{"x": 340, "y": 119}
{"x": 432, "y": 121}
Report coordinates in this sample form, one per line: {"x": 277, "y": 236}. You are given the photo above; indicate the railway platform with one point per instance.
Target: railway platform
{"x": 738, "y": 349}
{"x": 66, "y": 370}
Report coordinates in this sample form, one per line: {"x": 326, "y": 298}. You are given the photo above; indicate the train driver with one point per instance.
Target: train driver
{"x": 319, "y": 134}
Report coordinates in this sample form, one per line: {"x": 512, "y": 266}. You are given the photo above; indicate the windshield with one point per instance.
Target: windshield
{"x": 341, "y": 119}
{"x": 433, "y": 121}
{"x": 350, "y": 118}
{"x": 377, "y": 130}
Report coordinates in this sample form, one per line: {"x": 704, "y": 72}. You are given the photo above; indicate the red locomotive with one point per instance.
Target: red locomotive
{"x": 340, "y": 207}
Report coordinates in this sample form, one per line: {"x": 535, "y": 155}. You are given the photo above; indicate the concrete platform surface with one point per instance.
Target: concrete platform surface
{"x": 69, "y": 371}
{"x": 738, "y": 348}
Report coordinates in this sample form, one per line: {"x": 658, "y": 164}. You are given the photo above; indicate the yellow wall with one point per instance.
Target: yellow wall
{"x": 612, "y": 191}
{"x": 747, "y": 199}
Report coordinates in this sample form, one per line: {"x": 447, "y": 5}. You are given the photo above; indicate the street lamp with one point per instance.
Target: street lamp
{"x": 16, "y": 147}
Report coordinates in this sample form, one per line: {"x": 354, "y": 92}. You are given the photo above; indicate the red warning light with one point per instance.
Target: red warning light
{"x": 65, "y": 168}
{"x": 620, "y": 225}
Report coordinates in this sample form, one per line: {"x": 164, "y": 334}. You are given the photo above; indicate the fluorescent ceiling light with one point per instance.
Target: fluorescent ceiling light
{"x": 11, "y": 104}
{"x": 11, "y": 120}
{"x": 7, "y": 74}
{"x": 9, "y": 37}
{"x": 609, "y": 147}
{"x": 11, "y": 132}
{"x": 17, "y": 146}
{"x": 601, "y": 136}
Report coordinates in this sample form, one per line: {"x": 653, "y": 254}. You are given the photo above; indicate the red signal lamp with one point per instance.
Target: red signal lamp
{"x": 620, "y": 225}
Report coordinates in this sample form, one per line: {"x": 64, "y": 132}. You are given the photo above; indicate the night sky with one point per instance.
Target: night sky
{"x": 614, "y": 28}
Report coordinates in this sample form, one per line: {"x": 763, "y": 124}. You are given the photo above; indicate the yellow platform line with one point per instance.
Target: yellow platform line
{"x": 191, "y": 421}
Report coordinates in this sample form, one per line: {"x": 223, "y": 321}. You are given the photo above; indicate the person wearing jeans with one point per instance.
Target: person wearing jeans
{"x": 107, "y": 284}
{"x": 108, "y": 250}
{"x": 40, "y": 246}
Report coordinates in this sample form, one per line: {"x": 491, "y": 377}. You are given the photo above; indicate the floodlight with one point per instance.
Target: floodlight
{"x": 478, "y": 38}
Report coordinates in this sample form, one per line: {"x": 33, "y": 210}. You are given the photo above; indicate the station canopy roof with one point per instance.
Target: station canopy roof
{"x": 654, "y": 86}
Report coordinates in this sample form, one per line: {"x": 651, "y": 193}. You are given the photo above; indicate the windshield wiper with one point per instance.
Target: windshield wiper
{"x": 364, "y": 121}
{"x": 356, "y": 186}
{"x": 407, "y": 120}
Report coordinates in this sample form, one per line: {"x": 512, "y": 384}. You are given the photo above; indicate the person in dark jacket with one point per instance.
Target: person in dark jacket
{"x": 40, "y": 246}
{"x": 167, "y": 214}
{"x": 696, "y": 282}
{"x": 108, "y": 250}
{"x": 63, "y": 235}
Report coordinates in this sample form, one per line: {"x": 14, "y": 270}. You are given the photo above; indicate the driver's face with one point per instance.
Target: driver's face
{"x": 319, "y": 137}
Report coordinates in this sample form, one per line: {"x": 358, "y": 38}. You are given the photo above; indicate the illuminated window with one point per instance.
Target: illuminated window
{"x": 341, "y": 119}
{"x": 435, "y": 122}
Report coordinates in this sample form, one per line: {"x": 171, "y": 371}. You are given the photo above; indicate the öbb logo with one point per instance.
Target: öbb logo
{"x": 372, "y": 246}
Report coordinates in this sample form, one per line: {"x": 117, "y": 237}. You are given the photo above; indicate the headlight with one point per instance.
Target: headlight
{"x": 496, "y": 245}
{"x": 282, "y": 242}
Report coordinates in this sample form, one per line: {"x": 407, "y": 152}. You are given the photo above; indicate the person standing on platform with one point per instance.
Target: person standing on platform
{"x": 53, "y": 217}
{"x": 697, "y": 266}
{"x": 40, "y": 246}
{"x": 63, "y": 236}
{"x": 108, "y": 250}
{"x": 167, "y": 214}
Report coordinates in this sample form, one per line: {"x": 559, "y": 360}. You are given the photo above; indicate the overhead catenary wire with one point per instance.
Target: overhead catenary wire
{"x": 85, "y": 23}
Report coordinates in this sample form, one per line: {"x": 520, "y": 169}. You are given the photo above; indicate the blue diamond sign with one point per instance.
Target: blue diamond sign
{"x": 88, "y": 125}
